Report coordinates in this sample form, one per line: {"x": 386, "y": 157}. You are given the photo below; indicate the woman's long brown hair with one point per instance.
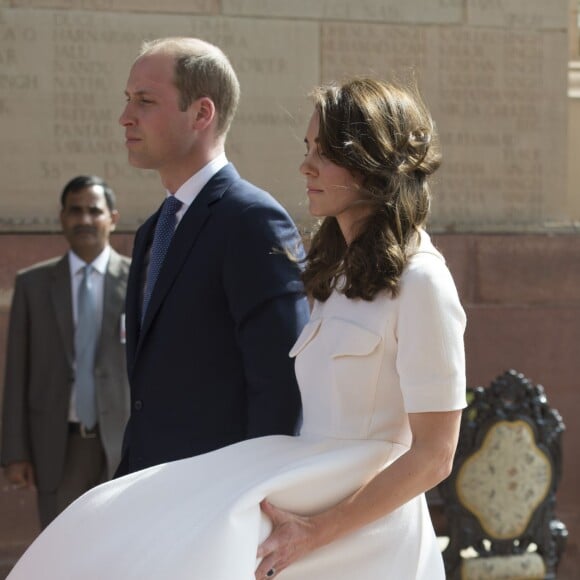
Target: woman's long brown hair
{"x": 385, "y": 135}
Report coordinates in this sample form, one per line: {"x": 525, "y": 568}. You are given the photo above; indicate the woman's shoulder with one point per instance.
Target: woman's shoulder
{"x": 426, "y": 266}
{"x": 422, "y": 247}
{"x": 423, "y": 256}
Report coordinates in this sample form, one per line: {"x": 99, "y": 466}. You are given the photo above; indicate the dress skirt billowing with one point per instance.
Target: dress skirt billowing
{"x": 199, "y": 519}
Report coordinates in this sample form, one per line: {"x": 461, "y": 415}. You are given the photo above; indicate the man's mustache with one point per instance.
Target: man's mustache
{"x": 84, "y": 230}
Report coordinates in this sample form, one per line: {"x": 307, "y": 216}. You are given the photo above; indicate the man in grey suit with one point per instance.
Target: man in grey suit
{"x": 62, "y": 427}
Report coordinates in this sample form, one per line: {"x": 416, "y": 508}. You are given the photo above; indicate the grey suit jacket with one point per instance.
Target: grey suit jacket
{"x": 40, "y": 369}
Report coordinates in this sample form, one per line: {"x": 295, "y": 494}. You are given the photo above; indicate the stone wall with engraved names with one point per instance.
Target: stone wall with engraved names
{"x": 496, "y": 97}
{"x": 61, "y": 93}
{"x": 165, "y": 7}
{"x": 492, "y": 71}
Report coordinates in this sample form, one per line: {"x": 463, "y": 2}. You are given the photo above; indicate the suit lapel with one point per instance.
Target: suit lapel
{"x": 60, "y": 291}
{"x": 185, "y": 237}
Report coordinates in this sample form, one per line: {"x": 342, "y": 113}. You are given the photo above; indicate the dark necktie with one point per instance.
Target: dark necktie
{"x": 86, "y": 337}
{"x": 161, "y": 239}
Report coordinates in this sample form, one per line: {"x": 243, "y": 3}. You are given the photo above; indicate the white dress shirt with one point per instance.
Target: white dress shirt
{"x": 193, "y": 186}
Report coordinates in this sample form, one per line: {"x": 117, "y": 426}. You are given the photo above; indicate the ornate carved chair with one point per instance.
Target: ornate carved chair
{"x": 500, "y": 498}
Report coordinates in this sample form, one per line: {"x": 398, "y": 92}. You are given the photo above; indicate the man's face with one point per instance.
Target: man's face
{"x": 157, "y": 134}
{"x": 87, "y": 221}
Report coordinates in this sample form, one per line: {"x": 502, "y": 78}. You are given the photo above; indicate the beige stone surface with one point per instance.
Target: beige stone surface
{"x": 573, "y": 41}
{"x": 528, "y": 14}
{"x": 496, "y": 91}
{"x": 496, "y": 96}
{"x": 574, "y": 146}
{"x": 432, "y": 11}
{"x": 167, "y": 6}
{"x": 61, "y": 93}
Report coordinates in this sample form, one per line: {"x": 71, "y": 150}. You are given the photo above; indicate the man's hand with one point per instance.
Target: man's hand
{"x": 20, "y": 475}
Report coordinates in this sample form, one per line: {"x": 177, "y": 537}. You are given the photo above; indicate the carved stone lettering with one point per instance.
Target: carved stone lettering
{"x": 487, "y": 91}
{"x": 522, "y": 14}
{"x": 392, "y": 11}
{"x": 493, "y": 75}
{"x": 61, "y": 95}
{"x": 185, "y": 6}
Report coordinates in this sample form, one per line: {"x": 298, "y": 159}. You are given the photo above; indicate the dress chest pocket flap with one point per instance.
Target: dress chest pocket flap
{"x": 306, "y": 336}
{"x": 348, "y": 339}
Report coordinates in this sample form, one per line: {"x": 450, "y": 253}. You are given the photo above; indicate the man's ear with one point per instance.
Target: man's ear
{"x": 204, "y": 113}
{"x": 114, "y": 219}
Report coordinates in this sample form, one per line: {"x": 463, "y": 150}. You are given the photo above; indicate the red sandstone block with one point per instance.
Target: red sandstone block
{"x": 21, "y": 251}
{"x": 528, "y": 269}
{"x": 543, "y": 343}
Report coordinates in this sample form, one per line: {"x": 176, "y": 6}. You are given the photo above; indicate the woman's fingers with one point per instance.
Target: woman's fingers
{"x": 291, "y": 538}
{"x": 271, "y": 511}
{"x": 267, "y": 569}
{"x": 273, "y": 550}
{"x": 270, "y": 543}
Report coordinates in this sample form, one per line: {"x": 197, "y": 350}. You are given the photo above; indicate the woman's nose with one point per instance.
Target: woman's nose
{"x": 306, "y": 167}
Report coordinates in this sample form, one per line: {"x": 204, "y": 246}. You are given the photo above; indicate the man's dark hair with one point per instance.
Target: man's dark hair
{"x": 84, "y": 181}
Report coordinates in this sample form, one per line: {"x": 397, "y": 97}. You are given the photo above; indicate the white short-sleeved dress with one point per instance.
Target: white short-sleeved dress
{"x": 362, "y": 367}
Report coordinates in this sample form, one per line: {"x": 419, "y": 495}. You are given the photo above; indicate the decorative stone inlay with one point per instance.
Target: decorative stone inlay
{"x": 505, "y": 481}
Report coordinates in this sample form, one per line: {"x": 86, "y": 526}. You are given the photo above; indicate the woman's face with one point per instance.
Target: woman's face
{"x": 332, "y": 190}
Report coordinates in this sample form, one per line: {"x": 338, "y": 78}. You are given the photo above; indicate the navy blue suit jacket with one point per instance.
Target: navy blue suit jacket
{"x": 209, "y": 364}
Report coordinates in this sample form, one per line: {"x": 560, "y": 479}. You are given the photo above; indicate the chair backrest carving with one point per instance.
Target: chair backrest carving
{"x": 500, "y": 498}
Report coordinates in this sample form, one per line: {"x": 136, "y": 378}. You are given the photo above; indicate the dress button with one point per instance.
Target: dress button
{"x": 138, "y": 405}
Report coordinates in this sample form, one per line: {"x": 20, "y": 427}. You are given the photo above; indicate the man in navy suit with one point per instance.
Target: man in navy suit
{"x": 211, "y": 318}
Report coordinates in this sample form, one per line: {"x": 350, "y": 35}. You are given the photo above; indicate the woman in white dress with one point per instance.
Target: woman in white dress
{"x": 382, "y": 376}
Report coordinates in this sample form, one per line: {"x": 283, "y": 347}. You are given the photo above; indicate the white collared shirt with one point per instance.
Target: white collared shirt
{"x": 193, "y": 186}
{"x": 98, "y": 272}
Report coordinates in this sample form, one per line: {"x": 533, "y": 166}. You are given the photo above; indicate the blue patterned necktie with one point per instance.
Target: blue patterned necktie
{"x": 163, "y": 233}
{"x": 86, "y": 337}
